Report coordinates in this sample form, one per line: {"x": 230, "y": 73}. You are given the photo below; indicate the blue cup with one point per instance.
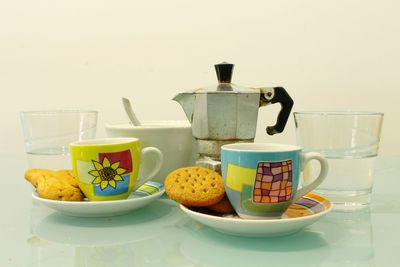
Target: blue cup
{"x": 262, "y": 180}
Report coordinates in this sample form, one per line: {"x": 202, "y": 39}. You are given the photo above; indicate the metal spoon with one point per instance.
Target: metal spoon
{"x": 130, "y": 113}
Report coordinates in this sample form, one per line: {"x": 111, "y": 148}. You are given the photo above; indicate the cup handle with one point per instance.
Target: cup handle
{"x": 147, "y": 174}
{"x": 304, "y": 159}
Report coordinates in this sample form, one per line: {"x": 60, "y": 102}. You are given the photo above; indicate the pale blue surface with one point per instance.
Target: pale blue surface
{"x": 161, "y": 235}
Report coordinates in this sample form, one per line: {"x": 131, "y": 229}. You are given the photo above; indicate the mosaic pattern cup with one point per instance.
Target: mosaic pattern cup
{"x": 273, "y": 182}
{"x": 261, "y": 180}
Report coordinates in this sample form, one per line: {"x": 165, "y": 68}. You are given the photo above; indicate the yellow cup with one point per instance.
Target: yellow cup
{"x": 108, "y": 169}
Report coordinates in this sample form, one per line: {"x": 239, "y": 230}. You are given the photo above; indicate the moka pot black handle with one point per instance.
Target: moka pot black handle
{"x": 272, "y": 95}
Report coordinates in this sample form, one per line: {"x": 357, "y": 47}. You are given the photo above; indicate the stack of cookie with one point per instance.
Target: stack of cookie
{"x": 55, "y": 185}
{"x": 198, "y": 187}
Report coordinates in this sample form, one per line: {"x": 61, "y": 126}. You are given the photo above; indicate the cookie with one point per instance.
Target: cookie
{"x": 195, "y": 186}
{"x": 56, "y": 185}
{"x": 222, "y": 207}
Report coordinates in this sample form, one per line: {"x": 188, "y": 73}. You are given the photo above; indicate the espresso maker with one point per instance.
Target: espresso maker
{"x": 227, "y": 113}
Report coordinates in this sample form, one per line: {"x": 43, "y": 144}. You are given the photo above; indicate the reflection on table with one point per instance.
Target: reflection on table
{"x": 160, "y": 234}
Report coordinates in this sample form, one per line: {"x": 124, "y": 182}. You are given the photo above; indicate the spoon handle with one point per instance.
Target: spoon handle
{"x": 129, "y": 112}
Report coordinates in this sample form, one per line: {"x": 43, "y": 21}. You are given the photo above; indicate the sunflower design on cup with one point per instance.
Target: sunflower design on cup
{"x": 108, "y": 168}
{"x": 107, "y": 174}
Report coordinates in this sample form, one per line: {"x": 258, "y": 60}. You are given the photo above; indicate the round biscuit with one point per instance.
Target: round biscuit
{"x": 194, "y": 186}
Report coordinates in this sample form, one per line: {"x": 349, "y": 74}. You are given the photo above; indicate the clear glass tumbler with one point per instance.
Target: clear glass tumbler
{"x": 350, "y": 142}
{"x": 47, "y": 135}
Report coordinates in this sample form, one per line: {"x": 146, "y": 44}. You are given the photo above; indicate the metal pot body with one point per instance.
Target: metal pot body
{"x": 225, "y": 116}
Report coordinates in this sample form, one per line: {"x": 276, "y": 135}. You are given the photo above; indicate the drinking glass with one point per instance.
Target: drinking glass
{"x": 47, "y": 135}
{"x": 350, "y": 142}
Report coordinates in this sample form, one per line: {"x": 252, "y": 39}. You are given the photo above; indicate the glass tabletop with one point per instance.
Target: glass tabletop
{"x": 161, "y": 234}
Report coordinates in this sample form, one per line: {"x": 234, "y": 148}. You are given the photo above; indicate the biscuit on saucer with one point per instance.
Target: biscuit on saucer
{"x": 56, "y": 185}
{"x": 195, "y": 186}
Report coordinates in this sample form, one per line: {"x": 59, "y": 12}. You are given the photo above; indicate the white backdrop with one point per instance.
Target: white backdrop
{"x": 329, "y": 55}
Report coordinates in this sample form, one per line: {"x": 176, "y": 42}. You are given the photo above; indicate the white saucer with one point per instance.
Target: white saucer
{"x": 304, "y": 212}
{"x": 146, "y": 194}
